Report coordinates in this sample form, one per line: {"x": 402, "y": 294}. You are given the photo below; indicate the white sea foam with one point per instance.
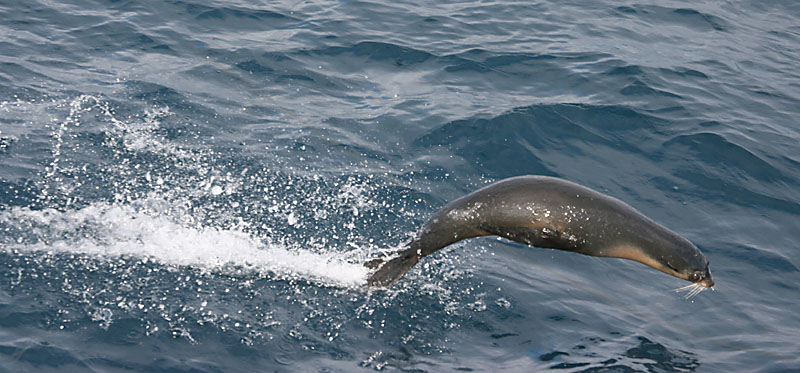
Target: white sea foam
{"x": 113, "y": 230}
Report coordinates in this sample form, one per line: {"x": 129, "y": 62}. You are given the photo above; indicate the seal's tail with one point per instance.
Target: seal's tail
{"x": 393, "y": 270}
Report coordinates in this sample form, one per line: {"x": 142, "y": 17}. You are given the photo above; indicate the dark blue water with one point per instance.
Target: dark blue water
{"x": 192, "y": 186}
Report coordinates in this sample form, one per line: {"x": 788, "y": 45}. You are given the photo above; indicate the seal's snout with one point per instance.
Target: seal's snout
{"x": 702, "y": 278}
{"x": 707, "y": 282}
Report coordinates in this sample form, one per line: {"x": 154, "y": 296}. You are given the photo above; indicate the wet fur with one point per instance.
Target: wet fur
{"x": 552, "y": 213}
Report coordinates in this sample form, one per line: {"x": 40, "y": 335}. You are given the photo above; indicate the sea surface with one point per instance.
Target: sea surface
{"x": 192, "y": 186}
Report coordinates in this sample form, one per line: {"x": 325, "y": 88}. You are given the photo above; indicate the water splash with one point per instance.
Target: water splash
{"x": 111, "y": 230}
{"x": 135, "y": 228}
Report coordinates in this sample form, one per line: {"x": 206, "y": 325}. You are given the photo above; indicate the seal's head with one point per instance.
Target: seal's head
{"x": 667, "y": 252}
{"x": 677, "y": 257}
{"x": 700, "y": 278}
{"x": 684, "y": 260}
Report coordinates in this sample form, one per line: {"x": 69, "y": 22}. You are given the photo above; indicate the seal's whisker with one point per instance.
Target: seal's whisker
{"x": 684, "y": 288}
{"x": 696, "y": 290}
{"x": 691, "y": 289}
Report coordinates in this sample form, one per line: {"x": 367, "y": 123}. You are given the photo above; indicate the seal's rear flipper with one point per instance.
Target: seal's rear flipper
{"x": 374, "y": 263}
{"x": 392, "y": 270}
{"x": 383, "y": 258}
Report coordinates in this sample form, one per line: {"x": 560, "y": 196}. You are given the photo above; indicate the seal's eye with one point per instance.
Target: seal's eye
{"x": 696, "y": 276}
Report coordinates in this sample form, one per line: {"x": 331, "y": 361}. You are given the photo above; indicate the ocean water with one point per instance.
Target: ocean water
{"x": 192, "y": 186}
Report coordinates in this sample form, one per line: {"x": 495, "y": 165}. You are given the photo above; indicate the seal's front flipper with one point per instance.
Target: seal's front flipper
{"x": 393, "y": 270}
{"x": 544, "y": 237}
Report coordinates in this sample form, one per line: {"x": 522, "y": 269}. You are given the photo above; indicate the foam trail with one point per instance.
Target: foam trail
{"x": 110, "y": 230}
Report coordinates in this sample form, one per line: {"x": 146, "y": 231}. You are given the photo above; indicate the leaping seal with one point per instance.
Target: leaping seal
{"x": 548, "y": 212}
